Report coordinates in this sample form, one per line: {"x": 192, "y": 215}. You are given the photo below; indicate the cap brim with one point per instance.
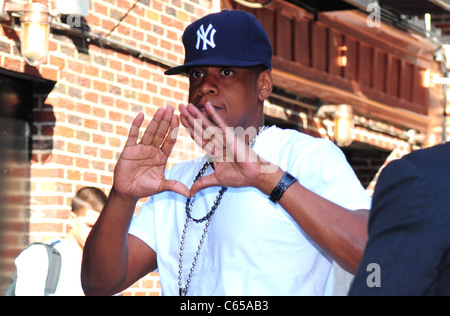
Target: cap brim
{"x": 213, "y": 62}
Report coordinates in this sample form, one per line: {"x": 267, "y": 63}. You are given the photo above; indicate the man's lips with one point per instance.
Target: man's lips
{"x": 202, "y": 108}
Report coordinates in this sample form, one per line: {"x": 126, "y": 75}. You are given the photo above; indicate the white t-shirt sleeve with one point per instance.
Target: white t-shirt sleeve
{"x": 143, "y": 225}
{"x": 331, "y": 176}
{"x": 32, "y": 270}
{"x": 318, "y": 164}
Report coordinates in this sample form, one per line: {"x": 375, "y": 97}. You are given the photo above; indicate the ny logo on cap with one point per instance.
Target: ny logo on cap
{"x": 203, "y": 36}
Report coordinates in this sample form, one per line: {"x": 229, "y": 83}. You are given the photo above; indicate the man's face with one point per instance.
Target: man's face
{"x": 234, "y": 93}
{"x": 83, "y": 225}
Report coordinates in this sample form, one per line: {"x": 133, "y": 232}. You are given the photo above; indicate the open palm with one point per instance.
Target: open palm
{"x": 235, "y": 163}
{"x": 140, "y": 170}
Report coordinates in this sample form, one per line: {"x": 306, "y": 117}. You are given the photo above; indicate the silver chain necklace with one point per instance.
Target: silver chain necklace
{"x": 189, "y": 206}
{"x": 207, "y": 218}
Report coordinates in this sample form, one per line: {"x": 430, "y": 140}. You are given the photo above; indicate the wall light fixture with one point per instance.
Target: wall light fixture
{"x": 35, "y": 22}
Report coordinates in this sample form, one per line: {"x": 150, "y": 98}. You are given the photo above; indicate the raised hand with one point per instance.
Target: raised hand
{"x": 140, "y": 170}
{"x": 235, "y": 163}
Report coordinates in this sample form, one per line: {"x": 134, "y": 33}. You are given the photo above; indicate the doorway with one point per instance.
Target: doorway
{"x": 17, "y": 94}
{"x": 366, "y": 161}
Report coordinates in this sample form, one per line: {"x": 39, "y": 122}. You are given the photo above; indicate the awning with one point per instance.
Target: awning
{"x": 408, "y": 7}
{"x": 416, "y": 7}
{"x": 324, "y": 5}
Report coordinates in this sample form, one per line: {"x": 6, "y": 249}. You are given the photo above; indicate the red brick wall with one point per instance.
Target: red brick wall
{"x": 79, "y": 129}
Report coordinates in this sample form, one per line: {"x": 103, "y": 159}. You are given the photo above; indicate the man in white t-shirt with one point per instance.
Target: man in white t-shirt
{"x": 33, "y": 263}
{"x": 268, "y": 211}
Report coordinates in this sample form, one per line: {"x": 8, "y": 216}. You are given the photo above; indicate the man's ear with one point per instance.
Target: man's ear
{"x": 72, "y": 218}
{"x": 265, "y": 84}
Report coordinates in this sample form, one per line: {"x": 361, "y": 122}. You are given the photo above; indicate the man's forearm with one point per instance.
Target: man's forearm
{"x": 105, "y": 256}
{"x": 341, "y": 233}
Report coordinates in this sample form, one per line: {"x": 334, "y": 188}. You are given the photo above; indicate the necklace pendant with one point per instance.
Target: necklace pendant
{"x": 183, "y": 291}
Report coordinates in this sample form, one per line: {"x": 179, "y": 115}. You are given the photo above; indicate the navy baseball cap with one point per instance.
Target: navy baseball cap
{"x": 229, "y": 38}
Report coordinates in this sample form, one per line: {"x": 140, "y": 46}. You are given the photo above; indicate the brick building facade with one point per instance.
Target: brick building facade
{"x": 83, "y": 101}
{"x": 74, "y": 111}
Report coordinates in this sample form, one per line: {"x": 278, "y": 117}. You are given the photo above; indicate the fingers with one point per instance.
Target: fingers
{"x": 163, "y": 128}
{"x": 203, "y": 183}
{"x": 156, "y": 132}
{"x": 193, "y": 126}
{"x": 171, "y": 137}
{"x": 205, "y": 133}
{"x": 162, "y": 131}
{"x": 193, "y": 119}
{"x": 177, "y": 187}
{"x": 134, "y": 130}
{"x": 150, "y": 132}
{"x": 217, "y": 119}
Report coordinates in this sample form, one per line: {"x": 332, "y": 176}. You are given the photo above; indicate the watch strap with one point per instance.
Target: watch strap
{"x": 282, "y": 186}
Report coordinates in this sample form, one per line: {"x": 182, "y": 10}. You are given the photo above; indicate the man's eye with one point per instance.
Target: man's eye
{"x": 196, "y": 74}
{"x": 227, "y": 72}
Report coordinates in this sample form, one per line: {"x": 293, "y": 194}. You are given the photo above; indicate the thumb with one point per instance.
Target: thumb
{"x": 177, "y": 187}
{"x": 203, "y": 183}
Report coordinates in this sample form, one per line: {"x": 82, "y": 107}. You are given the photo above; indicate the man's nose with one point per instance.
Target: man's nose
{"x": 208, "y": 86}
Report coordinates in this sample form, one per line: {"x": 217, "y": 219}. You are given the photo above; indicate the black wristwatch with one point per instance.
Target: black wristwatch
{"x": 282, "y": 186}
